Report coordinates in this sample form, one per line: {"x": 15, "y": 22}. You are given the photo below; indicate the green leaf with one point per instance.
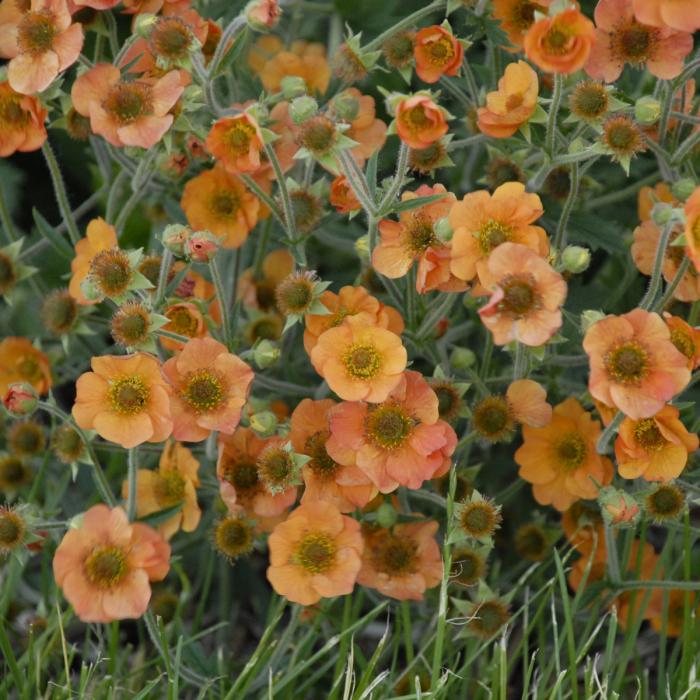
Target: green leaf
{"x": 62, "y": 247}
{"x": 161, "y": 516}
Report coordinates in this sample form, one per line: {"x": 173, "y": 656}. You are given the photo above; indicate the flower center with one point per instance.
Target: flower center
{"x": 128, "y": 395}
{"x": 683, "y": 342}
{"x": 36, "y": 32}
{"x": 169, "y": 488}
{"x": 28, "y": 368}
{"x": 519, "y": 296}
{"x": 441, "y": 52}
{"x": 321, "y": 464}
{"x": 182, "y": 321}
{"x": 11, "y": 113}
{"x": 492, "y": 234}
{"x": 648, "y": 436}
{"x": 12, "y": 471}
{"x": 203, "y": 391}
{"x": 59, "y": 311}
{"x": 628, "y": 363}
{"x": 415, "y": 118}
{"x": 571, "y": 451}
{"x": 171, "y": 38}
{"x": 106, "y": 567}
{"x": 523, "y": 14}
{"x": 493, "y": 417}
{"x": 224, "y": 204}
{"x": 110, "y": 272}
{"x": 556, "y": 40}
{"x": 295, "y": 296}
{"x": 132, "y": 327}
{"x": 11, "y": 529}
{"x": 318, "y": 134}
{"x": 666, "y": 502}
{"x": 276, "y": 469}
{"x": 388, "y": 427}
{"x": 479, "y": 519}
{"x": 589, "y": 100}
{"x": 239, "y": 136}
{"x": 420, "y": 234}
{"x": 635, "y": 43}
{"x": 316, "y": 552}
{"x": 233, "y": 537}
{"x": 362, "y": 361}
{"x": 126, "y": 102}
{"x": 307, "y": 210}
{"x": 395, "y": 556}
{"x": 489, "y": 617}
{"x": 243, "y": 476}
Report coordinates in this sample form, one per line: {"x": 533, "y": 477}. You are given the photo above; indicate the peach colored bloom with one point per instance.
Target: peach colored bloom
{"x": 219, "y": 202}
{"x": 349, "y": 301}
{"x": 413, "y": 239}
{"x": 403, "y": 562}
{"x": 185, "y": 319}
{"x": 360, "y": 362}
{"x": 105, "y": 566}
{"x": 126, "y": 113}
{"x": 437, "y": 52}
{"x": 513, "y": 104}
{"x": 259, "y": 293}
{"x": 560, "y": 459}
{"x": 174, "y": 482}
{"x": 263, "y": 14}
{"x": 124, "y": 399}
{"x": 20, "y": 361}
{"x": 526, "y": 296}
{"x": 99, "y": 236}
{"x": 21, "y": 122}
{"x": 240, "y": 480}
{"x": 420, "y": 121}
{"x": 400, "y": 441}
{"x": 672, "y": 622}
{"x": 685, "y": 338}
{"x": 209, "y": 389}
{"x": 646, "y": 241}
{"x": 315, "y": 553}
{"x": 634, "y": 364}
{"x": 692, "y": 227}
{"x": 346, "y": 487}
{"x": 517, "y": 16}
{"x": 562, "y": 43}
{"x": 481, "y": 222}
{"x": 620, "y": 39}
{"x": 40, "y": 42}
{"x": 236, "y": 142}
{"x": 683, "y": 15}
{"x": 342, "y": 197}
{"x": 655, "y": 448}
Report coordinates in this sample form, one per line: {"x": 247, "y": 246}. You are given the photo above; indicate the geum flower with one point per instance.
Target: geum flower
{"x": 104, "y": 567}
{"x": 236, "y": 142}
{"x": 99, "y": 237}
{"x": 20, "y": 361}
{"x": 126, "y": 112}
{"x": 634, "y": 364}
{"x": 621, "y": 39}
{"x": 692, "y": 227}
{"x": 21, "y": 122}
{"x": 420, "y": 122}
{"x": 401, "y": 441}
{"x": 526, "y": 296}
{"x": 517, "y": 16}
{"x": 683, "y": 15}
{"x": 209, "y": 387}
{"x": 437, "y": 52}
{"x": 40, "y": 42}
{"x": 124, "y": 399}
{"x": 686, "y": 338}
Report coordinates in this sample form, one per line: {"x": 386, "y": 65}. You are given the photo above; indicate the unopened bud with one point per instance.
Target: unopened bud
{"x": 174, "y": 237}
{"x": 443, "y": 230}
{"x": 618, "y": 507}
{"x": 266, "y": 354}
{"x": 576, "y": 259}
{"x": 144, "y": 23}
{"x": 264, "y": 423}
{"x": 201, "y": 246}
{"x": 683, "y": 188}
{"x": 661, "y": 213}
{"x": 647, "y": 110}
{"x": 462, "y": 358}
{"x": 386, "y": 515}
{"x": 362, "y": 248}
{"x": 262, "y": 15}
{"x": 303, "y": 108}
{"x": 589, "y": 317}
{"x": 20, "y": 399}
{"x": 346, "y": 106}
{"x": 292, "y": 86}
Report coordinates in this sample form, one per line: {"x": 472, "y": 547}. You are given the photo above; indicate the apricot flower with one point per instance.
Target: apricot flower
{"x": 420, "y": 122}
{"x": 99, "y": 236}
{"x": 437, "y": 52}
{"x": 683, "y": 15}
{"x": 21, "y": 122}
{"x": 20, "y": 361}
{"x": 236, "y": 142}
{"x": 685, "y": 338}
{"x": 517, "y": 16}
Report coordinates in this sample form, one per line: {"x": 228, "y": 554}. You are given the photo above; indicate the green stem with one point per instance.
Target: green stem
{"x": 685, "y": 148}
{"x": 663, "y": 584}
{"x": 562, "y": 226}
{"x": 606, "y": 435}
{"x": 131, "y": 457}
{"x": 405, "y": 23}
{"x": 165, "y": 263}
{"x": 397, "y": 182}
{"x": 613, "y": 561}
{"x": 264, "y": 197}
{"x": 60, "y": 192}
{"x": 6, "y": 219}
{"x": 672, "y": 286}
{"x": 407, "y": 631}
{"x": 657, "y": 272}
{"x": 463, "y": 143}
{"x": 221, "y": 298}
{"x": 261, "y": 248}
{"x": 520, "y": 364}
{"x": 357, "y": 182}
{"x": 551, "y": 136}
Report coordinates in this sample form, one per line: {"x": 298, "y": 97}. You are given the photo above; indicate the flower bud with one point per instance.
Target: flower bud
{"x": 201, "y": 246}
{"x": 576, "y": 259}
{"x": 292, "y": 86}
{"x": 264, "y": 423}
{"x": 303, "y": 108}
{"x": 647, "y": 110}
{"x": 174, "y": 237}
{"x": 683, "y": 188}
{"x": 144, "y": 23}
{"x": 346, "y": 106}
{"x": 589, "y": 317}
{"x": 661, "y": 213}
{"x": 262, "y": 15}
{"x": 618, "y": 507}
{"x": 462, "y": 358}
{"x": 20, "y": 399}
{"x": 266, "y": 354}
{"x": 362, "y": 248}
{"x": 386, "y": 515}
{"x": 443, "y": 230}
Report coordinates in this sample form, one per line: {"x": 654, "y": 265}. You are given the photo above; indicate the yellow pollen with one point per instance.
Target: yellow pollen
{"x": 224, "y": 204}
{"x": 388, "y": 427}
{"x": 203, "y": 391}
{"x": 182, "y": 321}
{"x": 394, "y": 556}
{"x": 492, "y": 234}
{"x": 315, "y": 553}
{"x": 441, "y": 51}
{"x": 362, "y": 361}
{"x": 648, "y": 436}
{"x": 321, "y": 464}
{"x": 571, "y": 451}
{"x": 238, "y": 137}
{"x": 420, "y": 234}
{"x": 627, "y": 363}
{"x": 415, "y": 118}
{"x": 126, "y": 102}
{"x": 128, "y": 395}
{"x": 36, "y": 32}
{"x": 683, "y": 342}
{"x": 169, "y": 488}
{"x": 635, "y": 43}
{"x": 556, "y": 41}
{"x": 106, "y": 567}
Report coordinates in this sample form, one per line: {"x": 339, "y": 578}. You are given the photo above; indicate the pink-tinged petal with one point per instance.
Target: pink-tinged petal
{"x": 634, "y": 403}
{"x": 8, "y": 40}
{"x": 347, "y": 424}
{"x": 30, "y": 74}
{"x": 91, "y": 87}
{"x": 667, "y": 62}
{"x": 68, "y": 45}
{"x": 603, "y": 64}
{"x": 683, "y": 16}
{"x": 146, "y": 131}
{"x": 130, "y": 599}
{"x": 166, "y": 93}
{"x": 609, "y": 14}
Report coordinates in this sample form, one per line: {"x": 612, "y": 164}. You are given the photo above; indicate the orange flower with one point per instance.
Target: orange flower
{"x": 285, "y": 146}
{"x": 272, "y": 62}
{"x": 437, "y": 52}
{"x": 673, "y": 622}
{"x": 105, "y": 566}
{"x": 401, "y": 441}
{"x": 646, "y": 242}
{"x": 634, "y": 364}
{"x": 583, "y": 526}
{"x": 482, "y": 221}
{"x": 560, "y": 459}
{"x": 620, "y": 39}
{"x": 685, "y": 338}
{"x": 99, "y": 236}
{"x": 512, "y": 105}
{"x": 655, "y": 448}
{"x": 126, "y": 113}
{"x": 21, "y": 122}
{"x": 315, "y": 553}
{"x": 683, "y": 15}
{"x": 342, "y": 196}
{"x": 360, "y": 362}
{"x": 236, "y": 142}
{"x": 219, "y": 202}
{"x": 185, "y": 319}
{"x": 526, "y": 297}
{"x": 365, "y": 128}
{"x": 402, "y": 563}
{"x": 124, "y": 399}
{"x": 20, "y": 361}
{"x": 260, "y": 293}
{"x": 692, "y": 227}
{"x": 40, "y": 43}
{"x": 413, "y": 238}
{"x": 517, "y": 16}
{"x": 239, "y": 476}
{"x": 649, "y": 196}
{"x": 420, "y": 122}
{"x": 174, "y": 482}
{"x": 345, "y": 487}
{"x": 209, "y": 389}
{"x": 562, "y": 43}
{"x": 349, "y": 301}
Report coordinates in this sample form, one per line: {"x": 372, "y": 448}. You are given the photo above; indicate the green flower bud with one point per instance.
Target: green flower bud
{"x": 647, "y": 110}
{"x": 386, "y": 515}
{"x": 576, "y": 259}
{"x": 443, "y": 230}
{"x": 362, "y": 248}
{"x": 661, "y": 213}
{"x": 618, "y": 507}
{"x": 144, "y": 23}
{"x": 292, "y": 86}
{"x": 683, "y": 188}
{"x": 346, "y": 106}
{"x": 264, "y": 423}
{"x": 462, "y": 358}
{"x": 266, "y": 354}
{"x": 174, "y": 237}
{"x": 589, "y": 317}
{"x": 303, "y": 108}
